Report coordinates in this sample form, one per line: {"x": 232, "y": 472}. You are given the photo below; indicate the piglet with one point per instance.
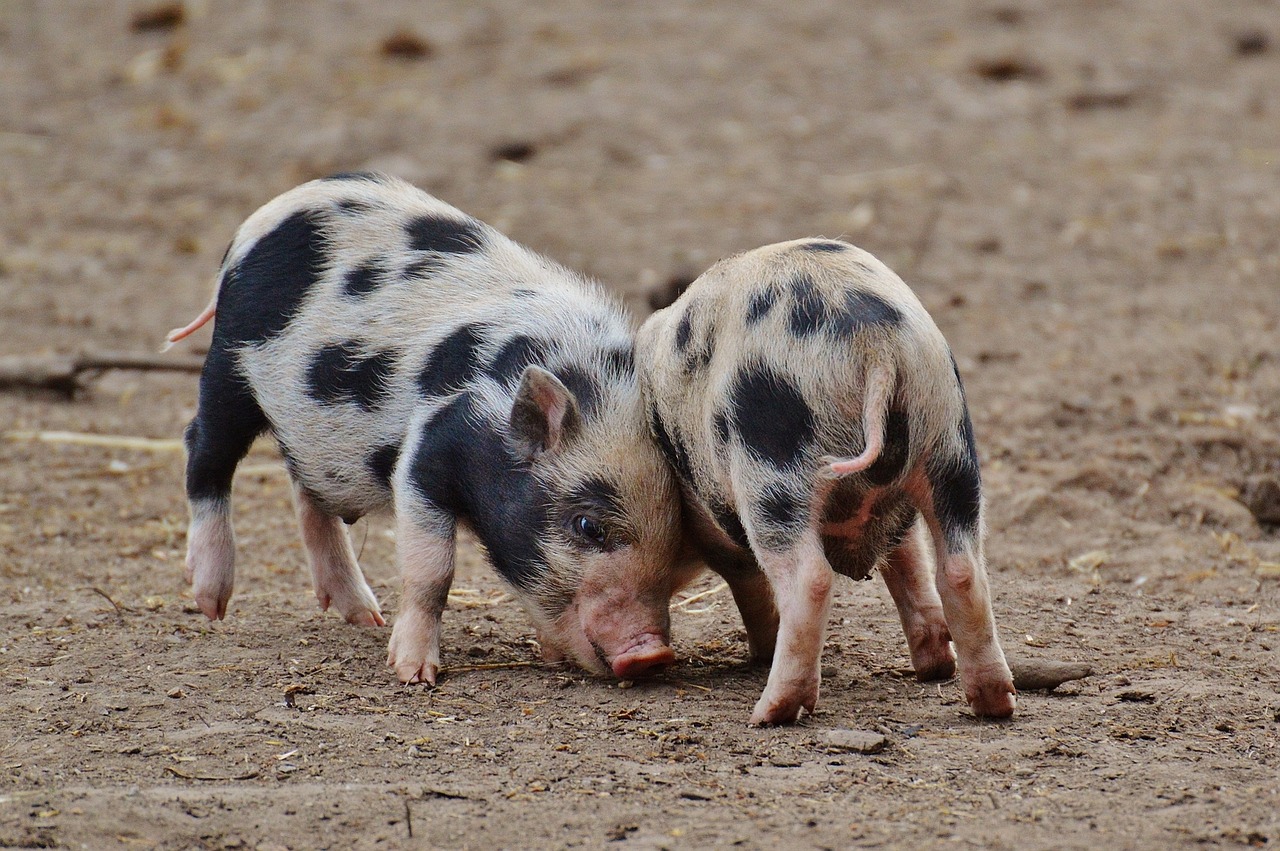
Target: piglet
{"x": 405, "y": 355}
{"x": 813, "y": 412}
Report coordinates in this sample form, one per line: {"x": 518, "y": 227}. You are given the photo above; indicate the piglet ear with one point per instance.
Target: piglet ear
{"x": 545, "y": 414}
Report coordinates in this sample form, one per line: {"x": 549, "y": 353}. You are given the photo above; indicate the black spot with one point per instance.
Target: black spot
{"x": 684, "y": 329}
{"x": 444, "y": 236}
{"x": 462, "y": 465}
{"x": 897, "y": 448}
{"x": 770, "y": 416}
{"x": 780, "y": 516}
{"x": 341, "y": 373}
{"x": 366, "y": 176}
{"x": 227, "y": 421}
{"x": 621, "y": 361}
{"x": 957, "y": 488}
{"x": 516, "y": 354}
{"x": 583, "y": 386}
{"x": 452, "y": 363}
{"x": 844, "y": 501}
{"x": 351, "y": 205}
{"x": 261, "y": 293}
{"x": 729, "y": 522}
{"x": 674, "y": 451}
{"x": 524, "y": 292}
{"x": 363, "y": 279}
{"x": 699, "y": 357}
{"x": 809, "y": 314}
{"x": 864, "y": 309}
{"x": 427, "y": 267}
{"x": 822, "y": 245}
{"x": 382, "y": 463}
{"x": 721, "y": 424}
{"x": 761, "y": 303}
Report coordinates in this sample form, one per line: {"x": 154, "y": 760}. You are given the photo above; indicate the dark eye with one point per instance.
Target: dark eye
{"x": 588, "y": 528}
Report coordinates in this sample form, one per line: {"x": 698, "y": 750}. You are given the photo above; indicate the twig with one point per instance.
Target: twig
{"x": 408, "y": 818}
{"x": 700, "y": 595}
{"x": 114, "y": 441}
{"x": 65, "y": 373}
{"x": 497, "y": 666}
{"x": 248, "y": 775}
{"x": 120, "y": 610}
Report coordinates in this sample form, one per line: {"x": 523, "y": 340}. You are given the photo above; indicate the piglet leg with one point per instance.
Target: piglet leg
{"x": 337, "y": 576}
{"x": 754, "y": 597}
{"x": 908, "y": 575}
{"x": 425, "y": 546}
{"x": 211, "y": 556}
{"x": 802, "y": 582}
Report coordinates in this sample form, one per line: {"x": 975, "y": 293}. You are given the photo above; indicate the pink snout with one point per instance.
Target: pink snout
{"x": 648, "y": 654}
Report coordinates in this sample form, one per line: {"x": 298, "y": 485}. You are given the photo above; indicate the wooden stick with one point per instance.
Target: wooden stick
{"x": 65, "y": 373}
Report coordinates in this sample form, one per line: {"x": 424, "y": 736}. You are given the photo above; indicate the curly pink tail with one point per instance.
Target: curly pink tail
{"x": 875, "y": 404}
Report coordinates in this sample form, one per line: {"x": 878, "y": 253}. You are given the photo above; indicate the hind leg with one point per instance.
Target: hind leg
{"x": 226, "y": 423}
{"x": 909, "y": 579}
{"x": 949, "y": 496}
{"x": 802, "y": 584}
{"x": 337, "y": 576}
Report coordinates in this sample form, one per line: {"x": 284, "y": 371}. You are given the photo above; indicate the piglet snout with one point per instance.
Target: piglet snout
{"x": 648, "y": 654}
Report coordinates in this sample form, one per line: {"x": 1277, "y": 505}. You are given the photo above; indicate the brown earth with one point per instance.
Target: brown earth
{"x": 1087, "y": 197}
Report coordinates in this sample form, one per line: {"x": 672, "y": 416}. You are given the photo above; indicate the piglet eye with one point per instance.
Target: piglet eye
{"x": 589, "y": 529}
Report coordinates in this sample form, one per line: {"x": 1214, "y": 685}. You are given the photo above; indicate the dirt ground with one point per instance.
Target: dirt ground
{"x": 1085, "y": 195}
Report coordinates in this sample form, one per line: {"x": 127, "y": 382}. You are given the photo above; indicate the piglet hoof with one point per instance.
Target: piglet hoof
{"x": 993, "y": 698}
{"x": 935, "y": 663}
{"x": 366, "y": 617}
{"x": 414, "y": 651}
{"x": 773, "y": 708}
{"x": 212, "y": 594}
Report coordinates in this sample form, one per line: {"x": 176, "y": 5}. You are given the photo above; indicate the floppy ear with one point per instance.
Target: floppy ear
{"x": 545, "y": 414}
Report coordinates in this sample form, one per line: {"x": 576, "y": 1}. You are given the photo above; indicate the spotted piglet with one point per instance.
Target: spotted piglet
{"x": 404, "y": 354}
{"x": 813, "y": 412}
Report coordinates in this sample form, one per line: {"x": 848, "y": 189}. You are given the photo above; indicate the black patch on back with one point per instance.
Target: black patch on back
{"x": 452, "y": 363}
{"x": 729, "y": 522}
{"x": 809, "y": 314}
{"x": 863, "y": 310}
{"x": 363, "y": 279}
{"x": 382, "y": 463}
{"x": 674, "y": 451}
{"x": 366, "y": 176}
{"x": 760, "y": 305}
{"x": 780, "y": 516}
{"x": 351, "y": 205}
{"x": 770, "y": 416}
{"x": 341, "y": 373}
{"x": 516, "y": 354}
{"x": 684, "y": 329}
{"x": 462, "y": 465}
{"x": 443, "y": 235}
{"x": 897, "y": 447}
{"x": 822, "y": 245}
{"x": 859, "y": 310}
{"x": 260, "y": 294}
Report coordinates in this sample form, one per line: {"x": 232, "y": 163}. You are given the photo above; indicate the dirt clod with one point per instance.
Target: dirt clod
{"x": 854, "y": 741}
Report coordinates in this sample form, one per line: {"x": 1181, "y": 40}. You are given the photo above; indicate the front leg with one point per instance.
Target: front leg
{"x": 754, "y": 597}
{"x": 425, "y": 546}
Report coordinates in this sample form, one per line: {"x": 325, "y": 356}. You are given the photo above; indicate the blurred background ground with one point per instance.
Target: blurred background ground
{"x": 1085, "y": 195}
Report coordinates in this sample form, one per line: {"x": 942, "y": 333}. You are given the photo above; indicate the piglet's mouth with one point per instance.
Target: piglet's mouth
{"x": 644, "y": 655}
